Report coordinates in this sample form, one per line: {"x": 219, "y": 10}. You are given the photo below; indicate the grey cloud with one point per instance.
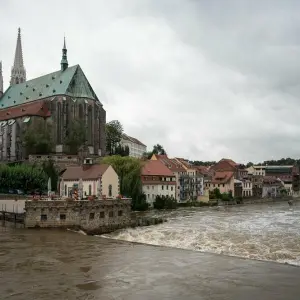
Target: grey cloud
{"x": 206, "y": 79}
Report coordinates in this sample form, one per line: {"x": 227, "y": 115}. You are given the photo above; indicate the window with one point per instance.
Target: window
{"x": 153, "y": 196}
{"x": 111, "y": 214}
{"x": 120, "y": 213}
{"x": 90, "y": 189}
{"x": 62, "y": 216}
{"x": 92, "y": 216}
{"x": 171, "y": 188}
{"x": 152, "y": 187}
{"x": 59, "y": 123}
{"x": 90, "y": 125}
{"x": 66, "y": 190}
{"x": 148, "y": 187}
{"x": 102, "y": 214}
{"x": 80, "y": 111}
{"x": 110, "y": 190}
{"x": 167, "y": 187}
{"x": 43, "y": 217}
{"x": 162, "y": 187}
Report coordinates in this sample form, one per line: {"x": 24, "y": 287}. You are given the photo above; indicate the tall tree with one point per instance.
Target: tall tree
{"x": 157, "y": 149}
{"x": 114, "y": 131}
{"x": 129, "y": 172}
{"x": 76, "y": 136}
{"x": 38, "y": 137}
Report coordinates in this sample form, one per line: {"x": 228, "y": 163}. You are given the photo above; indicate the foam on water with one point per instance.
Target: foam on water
{"x": 263, "y": 232}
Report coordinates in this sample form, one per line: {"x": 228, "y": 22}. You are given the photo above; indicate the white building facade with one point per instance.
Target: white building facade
{"x": 136, "y": 147}
{"x": 247, "y": 188}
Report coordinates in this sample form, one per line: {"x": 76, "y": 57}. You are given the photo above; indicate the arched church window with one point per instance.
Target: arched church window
{"x": 17, "y": 80}
{"x": 110, "y": 190}
{"x": 67, "y": 116}
{"x": 59, "y": 123}
{"x": 90, "y": 126}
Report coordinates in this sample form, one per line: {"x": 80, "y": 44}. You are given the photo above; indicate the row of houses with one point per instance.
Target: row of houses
{"x": 178, "y": 178}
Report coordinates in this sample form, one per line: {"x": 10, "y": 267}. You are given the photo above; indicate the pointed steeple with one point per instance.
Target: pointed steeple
{"x": 64, "y": 60}
{"x": 18, "y": 72}
{"x": 1, "y": 80}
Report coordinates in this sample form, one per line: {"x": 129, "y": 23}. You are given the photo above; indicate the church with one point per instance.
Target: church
{"x": 58, "y": 98}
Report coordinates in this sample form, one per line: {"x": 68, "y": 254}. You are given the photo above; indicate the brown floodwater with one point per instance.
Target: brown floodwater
{"x": 51, "y": 264}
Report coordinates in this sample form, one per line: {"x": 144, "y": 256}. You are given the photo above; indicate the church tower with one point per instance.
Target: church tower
{"x": 18, "y": 72}
{"x": 64, "y": 60}
{"x": 1, "y": 80}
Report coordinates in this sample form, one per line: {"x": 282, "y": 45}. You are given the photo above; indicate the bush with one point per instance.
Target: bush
{"x": 165, "y": 202}
{"x": 139, "y": 203}
{"x": 23, "y": 177}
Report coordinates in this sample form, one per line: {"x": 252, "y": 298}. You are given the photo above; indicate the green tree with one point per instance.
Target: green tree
{"x": 114, "y": 131}
{"x": 52, "y": 171}
{"x": 164, "y": 202}
{"x": 157, "y": 149}
{"x": 120, "y": 150}
{"x": 38, "y": 137}
{"x": 129, "y": 172}
{"x": 76, "y": 136}
{"x": 24, "y": 177}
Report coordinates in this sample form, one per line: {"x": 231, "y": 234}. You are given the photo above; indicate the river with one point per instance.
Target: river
{"x": 265, "y": 231}
{"x": 52, "y": 264}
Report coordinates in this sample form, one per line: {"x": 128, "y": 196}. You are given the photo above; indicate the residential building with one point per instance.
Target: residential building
{"x": 259, "y": 170}
{"x": 223, "y": 180}
{"x": 287, "y": 174}
{"x": 272, "y": 187}
{"x": 59, "y": 98}
{"x": 157, "y": 180}
{"x": 176, "y": 168}
{"x": 247, "y": 188}
{"x": 238, "y": 188}
{"x": 257, "y": 185}
{"x": 100, "y": 180}
{"x": 191, "y": 183}
{"x": 136, "y": 147}
{"x": 225, "y": 164}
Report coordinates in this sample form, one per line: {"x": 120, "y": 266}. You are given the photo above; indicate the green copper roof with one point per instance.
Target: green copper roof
{"x": 71, "y": 82}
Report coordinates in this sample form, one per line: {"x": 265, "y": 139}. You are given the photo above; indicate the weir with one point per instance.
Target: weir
{"x": 12, "y": 212}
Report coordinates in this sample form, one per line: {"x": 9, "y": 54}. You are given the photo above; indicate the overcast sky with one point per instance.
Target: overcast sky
{"x": 205, "y": 78}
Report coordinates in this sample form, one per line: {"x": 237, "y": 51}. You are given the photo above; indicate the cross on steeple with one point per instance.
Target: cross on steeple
{"x": 18, "y": 72}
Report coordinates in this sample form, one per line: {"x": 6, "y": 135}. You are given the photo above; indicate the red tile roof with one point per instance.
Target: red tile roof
{"x": 91, "y": 172}
{"x": 34, "y": 108}
{"x": 202, "y": 170}
{"x": 156, "y": 167}
{"x": 222, "y": 177}
{"x": 172, "y": 164}
{"x": 230, "y": 161}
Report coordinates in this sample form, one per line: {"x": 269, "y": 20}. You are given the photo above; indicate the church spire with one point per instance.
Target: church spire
{"x": 18, "y": 72}
{"x": 64, "y": 61}
{"x": 1, "y": 80}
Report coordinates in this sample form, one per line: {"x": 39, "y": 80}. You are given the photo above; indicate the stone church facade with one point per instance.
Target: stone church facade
{"x": 58, "y": 98}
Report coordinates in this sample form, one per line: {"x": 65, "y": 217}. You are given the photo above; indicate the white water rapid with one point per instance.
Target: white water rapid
{"x": 264, "y": 232}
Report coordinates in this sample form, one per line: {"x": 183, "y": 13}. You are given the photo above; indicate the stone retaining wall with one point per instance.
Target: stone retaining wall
{"x": 102, "y": 215}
